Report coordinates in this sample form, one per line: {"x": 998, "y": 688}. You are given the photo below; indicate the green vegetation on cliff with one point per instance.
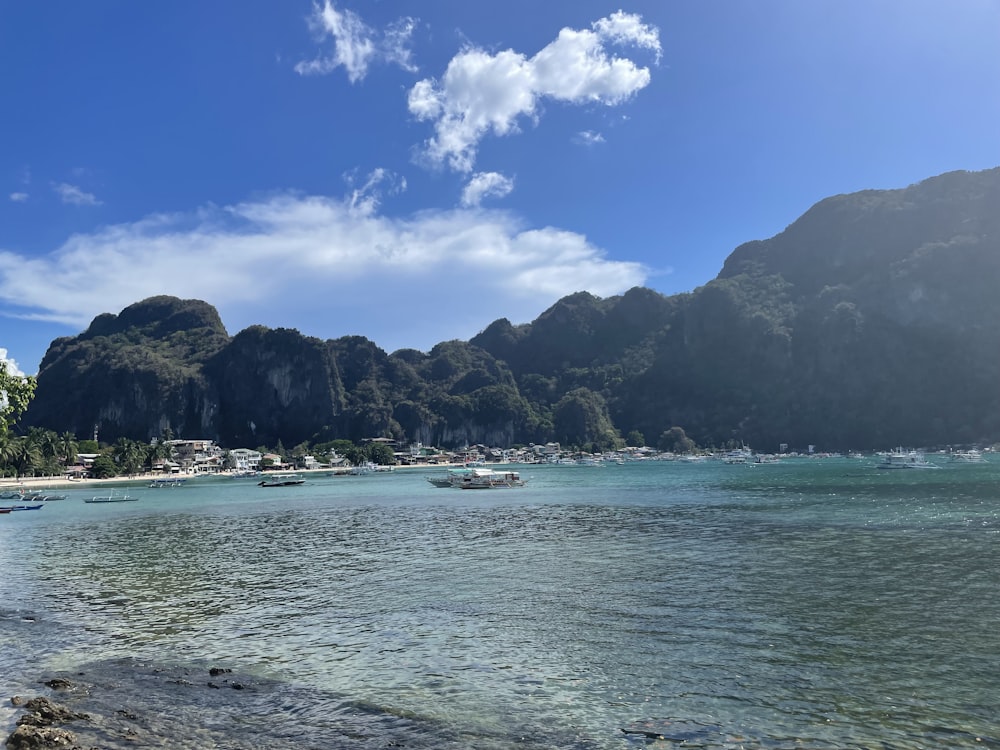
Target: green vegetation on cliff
{"x": 870, "y": 321}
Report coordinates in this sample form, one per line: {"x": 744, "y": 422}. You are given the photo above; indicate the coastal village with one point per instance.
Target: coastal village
{"x": 204, "y": 457}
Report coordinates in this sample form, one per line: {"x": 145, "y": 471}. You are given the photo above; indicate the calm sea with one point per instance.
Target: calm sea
{"x": 808, "y": 604}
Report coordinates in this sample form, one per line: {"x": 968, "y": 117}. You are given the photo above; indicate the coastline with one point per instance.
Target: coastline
{"x": 63, "y": 483}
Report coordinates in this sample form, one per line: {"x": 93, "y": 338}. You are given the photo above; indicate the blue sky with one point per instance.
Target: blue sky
{"x": 410, "y": 172}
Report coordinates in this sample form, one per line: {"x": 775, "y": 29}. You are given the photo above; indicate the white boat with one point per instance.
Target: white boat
{"x": 900, "y": 459}
{"x": 488, "y": 479}
{"x": 172, "y": 482}
{"x": 112, "y": 497}
{"x": 966, "y": 457}
{"x": 449, "y": 479}
{"x": 477, "y": 479}
{"x": 738, "y": 456}
{"x": 693, "y": 458}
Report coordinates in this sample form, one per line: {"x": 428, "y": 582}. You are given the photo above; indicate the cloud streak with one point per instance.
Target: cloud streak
{"x": 409, "y": 281}
{"x": 482, "y": 93}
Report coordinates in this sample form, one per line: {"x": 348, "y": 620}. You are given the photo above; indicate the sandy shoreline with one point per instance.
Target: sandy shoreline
{"x": 61, "y": 482}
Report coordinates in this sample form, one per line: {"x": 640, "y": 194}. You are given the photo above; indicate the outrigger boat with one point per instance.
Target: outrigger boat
{"x": 112, "y": 497}
{"x": 476, "y": 478}
{"x": 172, "y": 482}
{"x": 281, "y": 480}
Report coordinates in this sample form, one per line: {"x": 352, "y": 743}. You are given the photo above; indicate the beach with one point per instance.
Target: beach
{"x": 34, "y": 484}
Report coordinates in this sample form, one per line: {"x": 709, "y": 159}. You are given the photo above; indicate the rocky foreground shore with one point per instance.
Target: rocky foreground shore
{"x": 124, "y": 704}
{"x": 46, "y": 723}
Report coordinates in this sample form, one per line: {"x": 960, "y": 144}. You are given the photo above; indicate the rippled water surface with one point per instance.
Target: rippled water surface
{"x": 812, "y": 603}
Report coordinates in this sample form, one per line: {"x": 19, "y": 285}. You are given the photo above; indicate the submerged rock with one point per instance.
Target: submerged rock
{"x": 45, "y": 712}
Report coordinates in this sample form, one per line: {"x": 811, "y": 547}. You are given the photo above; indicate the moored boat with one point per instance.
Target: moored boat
{"x": 281, "y": 480}
{"x": 488, "y": 479}
{"x": 902, "y": 459}
{"x": 477, "y": 479}
{"x": 171, "y": 482}
{"x": 971, "y": 456}
{"x": 112, "y": 497}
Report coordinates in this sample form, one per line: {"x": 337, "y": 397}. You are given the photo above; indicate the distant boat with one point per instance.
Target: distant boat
{"x": 477, "y": 479}
{"x": 172, "y": 482}
{"x": 967, "y": 457}
{"x": 491, "y": 480}
{"x": 112, "y": 497}
{"x": 281, "y": 480}
{"x": 900, "y": 459}
{"x": 9, "y": 508}
{"x": 4, "y": 510}
{"x": 739, "y": 456}
{"x": 30, "y": 496}
{"x": 43, "y": 497}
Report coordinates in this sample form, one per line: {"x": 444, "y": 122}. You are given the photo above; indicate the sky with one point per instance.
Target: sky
{"x": 411, "y": 172}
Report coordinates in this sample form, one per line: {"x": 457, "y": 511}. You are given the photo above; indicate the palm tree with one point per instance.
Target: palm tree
{"x": 6, "y": 452}
{"x": 158, "y": 451}
{"x": 26, "y": 457}
{"x": 129, "y": 455}
{"x": 48, "y": 443}
{"x": 68, "y": 448}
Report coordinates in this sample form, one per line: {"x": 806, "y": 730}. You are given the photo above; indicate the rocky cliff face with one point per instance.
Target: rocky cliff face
{"x": 274, "y": 385}
{"x": 133, "y": 373}
{"x": 871, "y": 321}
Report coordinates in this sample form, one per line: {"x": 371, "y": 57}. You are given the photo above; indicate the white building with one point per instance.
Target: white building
{"x": 245, "y": 460}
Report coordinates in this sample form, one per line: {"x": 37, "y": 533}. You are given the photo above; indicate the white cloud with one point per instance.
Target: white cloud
{"x": 74, "y": 195}
{"x": 486, "y": 185}
{"x": 12, "y": 368}
{"x": 356, "y": 45}
{"x": 482, "y": 93}
{"x": 19, "y": 197}
{"x": 277, "y": 262}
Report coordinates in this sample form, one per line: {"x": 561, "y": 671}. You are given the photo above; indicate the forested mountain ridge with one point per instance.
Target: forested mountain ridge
{"x": 872, "y": 320}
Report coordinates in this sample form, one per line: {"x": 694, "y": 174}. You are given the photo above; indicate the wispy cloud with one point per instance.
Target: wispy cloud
{"x": 291, "y": 258}
{"x": 589, "y": 138}
{"x": 366, "y": 197}
{"x": 19, "y": 197}
{"x": 356, "y": 45}
{"x": 482, "y": 93}
{"x": 74, "y": 195}
{"x": 486, "y": 185}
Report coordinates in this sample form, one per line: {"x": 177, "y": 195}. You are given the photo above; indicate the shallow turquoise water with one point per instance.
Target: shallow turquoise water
{"x": 811, "y": 603}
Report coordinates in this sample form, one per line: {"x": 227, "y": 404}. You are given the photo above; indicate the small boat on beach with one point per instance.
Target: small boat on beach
{"x": 112, "y": 497}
